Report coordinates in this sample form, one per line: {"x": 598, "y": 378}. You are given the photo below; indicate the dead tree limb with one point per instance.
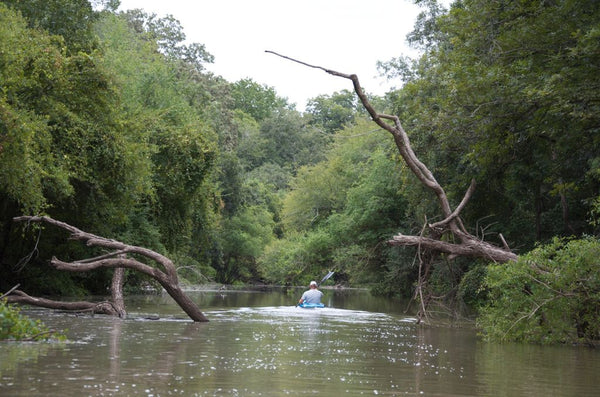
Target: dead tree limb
{"x": 165, "y": 272}
{"x": 467, "y": 244}
{"x": 9, "y": 291}
{"x": 105, "y": 307}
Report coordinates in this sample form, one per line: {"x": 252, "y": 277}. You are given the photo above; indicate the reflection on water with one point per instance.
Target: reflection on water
{"x": 257, "y": 344}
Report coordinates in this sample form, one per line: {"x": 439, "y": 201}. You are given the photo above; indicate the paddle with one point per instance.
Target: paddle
{"x": 325, "y": 278}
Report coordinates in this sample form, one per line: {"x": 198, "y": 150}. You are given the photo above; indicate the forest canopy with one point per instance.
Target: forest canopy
{"x": 110, "y": 121}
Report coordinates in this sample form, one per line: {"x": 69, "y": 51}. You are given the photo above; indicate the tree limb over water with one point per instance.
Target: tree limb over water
{"x": 468, "y": 245}
{"x": 448, "y": 236}
{"x": 165, "y": 273}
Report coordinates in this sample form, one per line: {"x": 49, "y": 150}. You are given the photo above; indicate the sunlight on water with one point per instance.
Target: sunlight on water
{"x": 276, "y": 350}
{"x": 292, "y": 313}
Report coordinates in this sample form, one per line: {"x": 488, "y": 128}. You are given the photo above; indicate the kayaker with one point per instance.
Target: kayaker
{"x": 313, "y": 295}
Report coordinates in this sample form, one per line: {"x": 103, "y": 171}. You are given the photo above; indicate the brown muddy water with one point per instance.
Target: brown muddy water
{"x": 259, "y": 344}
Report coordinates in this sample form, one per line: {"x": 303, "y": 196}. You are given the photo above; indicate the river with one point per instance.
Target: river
{"x": 259, "y": 344}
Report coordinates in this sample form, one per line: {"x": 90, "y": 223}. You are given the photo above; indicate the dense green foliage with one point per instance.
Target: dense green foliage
{"x": 551, "y": 294}
{"x": 100, "y": 139}
{"x": 507, "y": 93}
{"x": 339, "y": 211}
{"x": 15, "y": 326}
{"x": 109, "y": 121}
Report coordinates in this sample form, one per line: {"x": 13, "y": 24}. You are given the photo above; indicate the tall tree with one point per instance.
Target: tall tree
{"x": 71, "y": 19}
{"x": 333, "y": 112}
{"x": 506, "y": 93}
{"x": 79, "y": 163}
{"x": 110, "y": 141}
{"x": 182, "y": 143}
{"x": 259, "y": 101}
{"x": 33, "y": 64}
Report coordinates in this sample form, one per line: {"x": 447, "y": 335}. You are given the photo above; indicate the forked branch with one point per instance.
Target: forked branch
{"x": 468, "y": 245}
{"x": 165, "y": 273}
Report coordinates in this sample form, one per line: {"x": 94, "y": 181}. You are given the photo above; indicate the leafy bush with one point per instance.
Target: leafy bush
{"x": 470, "y": 291}
{"x": 550, "y": 295}
{"x": 15, "y": 326}
{"x": 297, "y": 259}
{"x": 280, "y": 262}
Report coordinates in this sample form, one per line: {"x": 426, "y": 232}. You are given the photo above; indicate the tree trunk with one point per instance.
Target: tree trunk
{"x": 167, "y": 276}
{"x": 471, "y": 247}
{"x": 116, "y": 291}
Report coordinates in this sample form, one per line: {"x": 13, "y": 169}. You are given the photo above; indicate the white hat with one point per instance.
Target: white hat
{"x": 313, "y": 283}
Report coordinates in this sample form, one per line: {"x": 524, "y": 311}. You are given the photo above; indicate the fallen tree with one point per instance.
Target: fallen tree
{"x": 119, "y": 258}
{"x": 448, "y": 236}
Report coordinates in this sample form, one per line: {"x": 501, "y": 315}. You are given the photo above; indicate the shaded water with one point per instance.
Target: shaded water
{"x": 258, "y": 344}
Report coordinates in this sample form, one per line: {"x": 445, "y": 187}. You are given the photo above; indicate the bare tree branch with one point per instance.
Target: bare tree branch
{"x": 9, "y": 291}
{"x": 167, "y": 277}
{"x": 104, "y": 307}
{"x": 468, "y": 244}
{"x": 456, "y": 212}
{"x": 473, "y": 248}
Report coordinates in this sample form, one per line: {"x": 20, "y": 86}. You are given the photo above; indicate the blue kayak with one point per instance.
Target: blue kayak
{"x": 311, "y": 305}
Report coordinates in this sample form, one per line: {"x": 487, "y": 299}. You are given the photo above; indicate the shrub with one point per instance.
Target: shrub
{"x": 550, "y": 295}
{"x": 470, "y": 289}
{"x": 15, "y": 326}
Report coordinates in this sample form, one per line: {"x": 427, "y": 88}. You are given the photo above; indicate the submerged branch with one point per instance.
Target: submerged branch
{"x": 104, "y": 307}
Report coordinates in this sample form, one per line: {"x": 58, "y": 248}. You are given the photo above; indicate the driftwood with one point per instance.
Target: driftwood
{"x": 448, "y": 236}
{"x": 165, "y": 273}
{"x": 105, "y": 307}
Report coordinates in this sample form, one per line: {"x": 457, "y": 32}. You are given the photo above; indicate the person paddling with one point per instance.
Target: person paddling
{"x": 312, "y": 296}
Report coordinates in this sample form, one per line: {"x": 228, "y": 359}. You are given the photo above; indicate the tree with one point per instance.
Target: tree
{"x": 316, "y": 192}
{"x": 167, "y": 34}
{"x": 292, "y": 260}
{"x": 243, "y": 238}
{"x": 106, "y": 137}
{"x": 261, "y": 150}
{"x": 467, "y": 245}
{"x": 505, "y": 92}
{"x": 290, "y": 140}
{"x": 461, "y": 242}
{"x": 344, "y": 207}
{"x": 33, "y": 65}
{"x": 62, "y": 146}
{"x": 71, "y": 19}
{"x": 256, "y": 100}
{"x": 179, "y": 143}
{"x": 333, "y": 112}
{"x": 118, "y": 258}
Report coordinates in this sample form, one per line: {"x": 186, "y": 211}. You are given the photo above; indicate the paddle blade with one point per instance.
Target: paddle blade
{"x": 326, "y": 277}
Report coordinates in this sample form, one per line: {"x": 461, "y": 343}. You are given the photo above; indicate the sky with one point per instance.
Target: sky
{"x": 348, "y": 36}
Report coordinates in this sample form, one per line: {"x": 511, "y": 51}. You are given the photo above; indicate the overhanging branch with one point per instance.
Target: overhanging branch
{"x": 167, "y": 276}
{"x": 469, "y": 245}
